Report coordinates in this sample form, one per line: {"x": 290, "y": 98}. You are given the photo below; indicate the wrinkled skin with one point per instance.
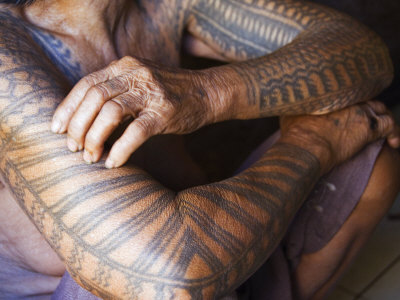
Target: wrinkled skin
{"x": 159, "y": 100}
{"x": 334, "y": 137}
{"x": 169, "y": 110}
{"x": 344, "y": 132}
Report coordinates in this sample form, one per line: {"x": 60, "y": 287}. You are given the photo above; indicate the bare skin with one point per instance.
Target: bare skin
{"x": 33, "y": 158}
{"x": 285, "y": 58}
{"x": 333, "y": 260}
{"x": 318, "y": 272}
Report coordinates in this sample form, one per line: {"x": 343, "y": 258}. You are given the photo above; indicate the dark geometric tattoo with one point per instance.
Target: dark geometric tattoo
{"x": 120, "y": 232}
{"x": 59, "y": 54}
{"x": 242, "y": 30}
{"x": 124, "y": 235}
{"x": 296, "y": 57}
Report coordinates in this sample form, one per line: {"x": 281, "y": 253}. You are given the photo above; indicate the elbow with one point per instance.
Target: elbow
{"x": 387, "y": 73}
{"x": 366, "y": 59}
{"x": 374, "y": 60}
{"x": 348, "y": 43}
{"x": 354, "y": 66}
{"x": 166, "y": 261}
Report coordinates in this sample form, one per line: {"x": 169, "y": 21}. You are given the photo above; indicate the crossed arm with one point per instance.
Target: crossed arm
{"x": 286, "y": 57}
{"x": 120, "y": 233}
{"x": 292, "y": 57}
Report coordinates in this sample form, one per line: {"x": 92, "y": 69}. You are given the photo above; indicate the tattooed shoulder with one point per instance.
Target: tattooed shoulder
{"x": 53, "y": 48}
{"x": 58, "y": 53}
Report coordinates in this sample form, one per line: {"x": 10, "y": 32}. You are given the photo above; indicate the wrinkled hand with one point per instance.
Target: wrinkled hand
{"x": 159, "y": 100}
{"x": 337, "y": 136}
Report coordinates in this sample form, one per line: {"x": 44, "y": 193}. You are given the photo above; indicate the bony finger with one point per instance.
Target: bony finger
{"x": 105, "y": 123}
{"x": 90, "y": 157}
{"x": 70, "y": 104}
{"x": 384, "y": 126}
{"x": 90, "y": 107}
{"x": 72, "y": 145}
{"x": 134, "y": 136}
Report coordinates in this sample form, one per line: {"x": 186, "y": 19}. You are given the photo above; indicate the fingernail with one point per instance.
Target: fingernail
{"x": 72, "y": 145}
{"x": 109, "y": 163}
{"x": 87, "y": 157}
{"x": 56, "y": 126}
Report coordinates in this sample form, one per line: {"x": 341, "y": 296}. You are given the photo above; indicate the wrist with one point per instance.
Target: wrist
{"x": 225, "y": 93}
{"x": 314, "y": 144}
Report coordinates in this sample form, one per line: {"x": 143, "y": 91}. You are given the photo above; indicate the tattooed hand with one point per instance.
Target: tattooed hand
{"x": 159, "y": 100}
{"x": 338, "y": 136}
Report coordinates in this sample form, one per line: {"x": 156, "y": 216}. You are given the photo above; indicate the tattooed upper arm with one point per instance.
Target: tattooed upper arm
{"x": 296, "y": 56}
{"x": 241, "y": 30}
{"x": 120, "y": 233}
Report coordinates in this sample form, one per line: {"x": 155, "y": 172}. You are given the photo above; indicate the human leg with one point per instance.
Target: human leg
{"x": 317, "y": 272}
{"x": 28, "y": 266}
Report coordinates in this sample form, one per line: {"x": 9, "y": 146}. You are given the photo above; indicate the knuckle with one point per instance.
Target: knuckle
{"x": 120, "y": 82}
{"x": 111, "y": 113}
{"x": 89, "y": 80}
{"x": 113, "y": 108}
{"x": 125, "y": 81}
{"x": 128, "y": 60}
{"x": 124, "y": 64}
{"x": 98, "y": 92}
{"x": 129, "y": 103}
{"x": 143, "y": 127}
{"x": 148, "y": 72}
{"x": 384, "y": 124}
{"x": 146, "y": 125}
{"x": 390, "y": 122}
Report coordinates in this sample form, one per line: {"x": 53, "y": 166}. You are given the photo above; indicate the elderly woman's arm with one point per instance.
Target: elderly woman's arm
{"x": 294, "y": 56}
{"x": 286, "y": 57}
{"x": 120, "y": 233}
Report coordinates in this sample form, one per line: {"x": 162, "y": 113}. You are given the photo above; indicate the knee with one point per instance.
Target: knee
{"x": 384, "y": 184}
{"x": 318, "y": 271}
{"x": 381, "y": 190}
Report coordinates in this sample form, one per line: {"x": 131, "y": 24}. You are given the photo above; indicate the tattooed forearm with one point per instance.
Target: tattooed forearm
{"x": 120, "y": 233}
{"x": 295, "y": 57}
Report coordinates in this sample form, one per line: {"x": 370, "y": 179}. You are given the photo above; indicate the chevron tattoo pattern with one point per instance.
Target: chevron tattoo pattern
{"x": 296, "y": 57}
{"x": 94, "y": 217}
{"x": 124, "y": 235}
